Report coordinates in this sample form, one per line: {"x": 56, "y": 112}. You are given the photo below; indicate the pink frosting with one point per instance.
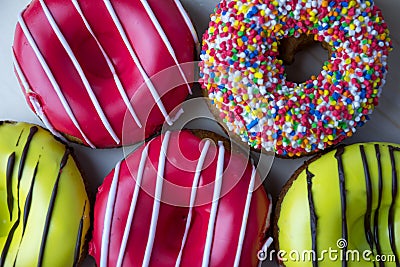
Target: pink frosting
{"x": 182, "y": 155}
{"x": 144, "y": 38}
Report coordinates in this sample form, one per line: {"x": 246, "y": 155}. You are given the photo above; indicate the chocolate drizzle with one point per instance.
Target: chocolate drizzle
{"x": 19, "y": 137}
{"x": 376, "y": 215}
{"x": 392, "y": 205}
{"x": 7, "y": 244}
{"x": 50, "y": 209}
{"x": 9, "y": 239}
{"x": 9, "y": 173}
{"x": 342, "y": 185}
{"x": 313, "y": 216}
{"x": 27, "y": 207}
{"x": 368, "y": 187}
{"x": 28, "y": 200}
{"x": 77, "y": 253}
{"x": 32, "y": 132}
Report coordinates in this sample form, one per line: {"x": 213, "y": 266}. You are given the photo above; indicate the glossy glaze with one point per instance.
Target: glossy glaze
{"x": 84, "y": 65}
{"x": 349, "y": 185}
{"x": 43, "y": 184}
{"x": 175, "y": 200}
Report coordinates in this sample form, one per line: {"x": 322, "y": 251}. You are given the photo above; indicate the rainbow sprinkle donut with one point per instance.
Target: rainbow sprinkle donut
{"x": 243, "y": 74}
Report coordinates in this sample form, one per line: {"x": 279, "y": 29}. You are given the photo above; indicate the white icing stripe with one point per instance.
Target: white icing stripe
{"x": 268, "y": 222}
{"x": 264, "y": 248}
{"x": 39, "y": 111}
{"x": 118, "y": 82}
{"x": 178, "y": 114}
{"x": 105, "y": 238}
{"x": 189, "y": 24}
{"x": 157, "y": 199}
{"x": 135, "y": 58}
{"x": 79, "y": 69}
{"x": 245, "y": 218}
{"x": 133, "y": 206}
{"x": 214, "y": 205}
{"x": 51, "y": 77}
{"x": 35, "y": 103}
{"x": 193, "y": 193}
{"x": 164, "y": 37}
{"x": 21, "y": 75}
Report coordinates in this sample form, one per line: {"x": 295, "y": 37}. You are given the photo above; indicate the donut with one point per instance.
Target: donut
{"x": 243, "y": 73}
{"x": 345, "y": 200}
{"x": 181, "y": 200}
{"x": 85, "y": 65}
{"x": 44, "y": 208}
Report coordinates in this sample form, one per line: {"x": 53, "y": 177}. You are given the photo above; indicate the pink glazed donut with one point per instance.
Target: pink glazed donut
{"x": 85, "y": 64}
{"x": 156, "y": 207}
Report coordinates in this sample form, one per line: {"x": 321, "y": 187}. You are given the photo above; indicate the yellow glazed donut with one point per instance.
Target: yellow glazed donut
{"x": 343, "y": 207}
{"x": 44, "y": 208}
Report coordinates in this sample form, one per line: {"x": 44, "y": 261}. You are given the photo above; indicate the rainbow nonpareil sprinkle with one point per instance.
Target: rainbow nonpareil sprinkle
{"x": 246, "y": 80}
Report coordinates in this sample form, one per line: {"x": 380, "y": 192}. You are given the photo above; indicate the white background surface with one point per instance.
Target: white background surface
{"x": 96, "y": 164}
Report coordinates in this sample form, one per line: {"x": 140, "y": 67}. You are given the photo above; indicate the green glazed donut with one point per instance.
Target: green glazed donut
{"x": 44, "y": 208}
{"x": 342, "y": 209}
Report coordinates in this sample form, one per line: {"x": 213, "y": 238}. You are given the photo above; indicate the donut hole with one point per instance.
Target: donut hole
{"x": 302, "y": 57}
